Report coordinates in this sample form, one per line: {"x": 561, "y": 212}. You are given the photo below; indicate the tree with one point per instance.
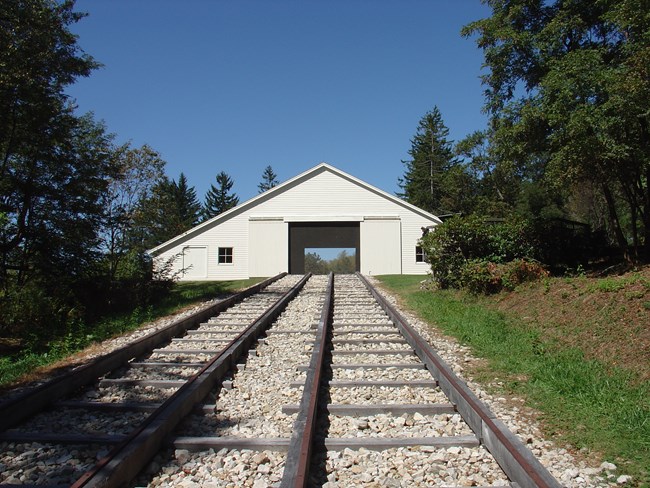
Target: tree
{"x": 138, "y": 171}
{"x": 315, "y": 264}
{"x": 343, "y": 263}
{"x": 45, "y": 150}
{"x": 496, "y": 184}
{"x": 269, "y": 180}
{"x": 568, "y": 93}
{"x": 219, "y": 199}
{"x": 434, "y": 180}
{"x": 187, "y": 204}
{"x": 169, "y": 210}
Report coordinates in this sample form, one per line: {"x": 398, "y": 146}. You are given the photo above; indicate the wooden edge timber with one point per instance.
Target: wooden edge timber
{"x": 203, "y": 341}
{"x": 304, "y": 367}
{"x": 278, "y": 444}
{"x": 370, "y": 383}
{"x": 381, "y": 443}
{"x": 282, "y": 444}
{"x": 376, "y": 352}
{"x": 366, "y": 410}
{"x": 53, "y": 438}
{"x": 124, "y": 462}
{"x": 35, "y": 399}
{"x": 187, "y": 352}
{"x": 192, "y": 333}
{"x": 512, "y": 455}
{"x": 368, "y": 341}
{"x": 117, "y": 407}
{"x": 133, "y": 382}
{"x": 296, "y": 468}
{"x": 163, "y": 365}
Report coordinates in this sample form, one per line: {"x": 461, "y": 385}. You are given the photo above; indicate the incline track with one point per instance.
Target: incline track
{"x": 339, "y": 391}
{"x": 154, "y": 380}
{"x": 373, "y": 350}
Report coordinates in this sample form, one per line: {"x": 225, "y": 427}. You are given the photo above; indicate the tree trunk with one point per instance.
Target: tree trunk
{"x": 616, "y": 225}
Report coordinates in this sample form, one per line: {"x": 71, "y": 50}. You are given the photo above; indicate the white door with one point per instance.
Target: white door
{"x": 195, "y": 262}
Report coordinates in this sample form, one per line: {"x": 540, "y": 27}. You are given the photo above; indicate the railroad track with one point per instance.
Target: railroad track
{"x": 101, "y": 423}
{"x": 340, "y": 391}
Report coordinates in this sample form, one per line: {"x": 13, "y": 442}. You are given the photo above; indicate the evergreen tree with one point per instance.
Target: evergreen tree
{"x": 269, "y": 180}
{"x": 434, "y": 179}
{"x": 187, "y": 204}
{"x": 219, "y": 199}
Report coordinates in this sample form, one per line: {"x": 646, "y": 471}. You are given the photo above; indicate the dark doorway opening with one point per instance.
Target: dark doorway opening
{"x": 321, "y": 235}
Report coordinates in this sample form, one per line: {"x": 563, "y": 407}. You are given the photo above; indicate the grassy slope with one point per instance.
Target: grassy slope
{"x": 24, "y": 365}
{"x": 585, "y": 394}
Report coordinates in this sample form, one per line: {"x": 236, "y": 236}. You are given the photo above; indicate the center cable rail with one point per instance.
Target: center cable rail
{"x": 518, "y": 463}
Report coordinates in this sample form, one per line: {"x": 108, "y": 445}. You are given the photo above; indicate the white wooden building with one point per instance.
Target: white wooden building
{"x": 320, "y": 208}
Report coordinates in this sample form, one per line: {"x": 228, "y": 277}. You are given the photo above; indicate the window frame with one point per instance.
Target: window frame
{"x": 420, "y": 255}
{"x": 225, "y": 256}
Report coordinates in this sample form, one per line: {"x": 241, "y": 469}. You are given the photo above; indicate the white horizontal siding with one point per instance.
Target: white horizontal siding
{"x": 322, "y": 195}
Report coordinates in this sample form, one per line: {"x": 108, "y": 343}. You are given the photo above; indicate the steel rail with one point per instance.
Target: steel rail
{"x": 125, "y": 461}
{"x": 296, "y": 468}
{"x": 33, "y": 400}
{"x": 515, "y": 459}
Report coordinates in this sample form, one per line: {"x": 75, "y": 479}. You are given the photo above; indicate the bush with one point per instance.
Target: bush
{"x": 462, "y": 240}
{"x": 485, "y": 277}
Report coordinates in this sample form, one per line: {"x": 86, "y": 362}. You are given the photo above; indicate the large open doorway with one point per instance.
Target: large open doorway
{"x": 323, "y": 236}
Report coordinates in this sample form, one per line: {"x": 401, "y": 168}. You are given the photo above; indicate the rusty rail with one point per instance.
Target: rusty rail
{"x": 124, "y": 462}
{"x": 296, "y": 469}
{"x": 36, "y": 399}
{"x": 512, "y": 455}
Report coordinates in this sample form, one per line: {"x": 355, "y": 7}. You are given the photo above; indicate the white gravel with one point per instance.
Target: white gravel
{"x": 252, "y": 408}
{"x": 566, "y": 468}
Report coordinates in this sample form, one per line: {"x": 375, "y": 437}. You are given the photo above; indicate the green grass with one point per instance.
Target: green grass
{"x": 79, "y": 336}
{"x": 581, "y": 401}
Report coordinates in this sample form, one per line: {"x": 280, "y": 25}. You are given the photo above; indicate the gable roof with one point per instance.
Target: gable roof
{"x": 284, "y": 187}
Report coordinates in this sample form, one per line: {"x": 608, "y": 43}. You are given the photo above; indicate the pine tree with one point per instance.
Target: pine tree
{"x": 269, "y": 180}
{"x": 189, "y": 208}
{"x": 432, "y": 162}
{"x": 218, "y": 199}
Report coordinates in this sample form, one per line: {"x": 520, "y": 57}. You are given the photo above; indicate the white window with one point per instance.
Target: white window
{"x": 225, "y": 255}
{"x": 420, "y": 255}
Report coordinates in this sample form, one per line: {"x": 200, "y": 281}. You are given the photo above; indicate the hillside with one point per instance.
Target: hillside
{"x": 607, "y": 318}
{"x": 577, "y": 350}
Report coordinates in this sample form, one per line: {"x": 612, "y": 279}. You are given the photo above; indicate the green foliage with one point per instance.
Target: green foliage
{"x": 75, "y": 334}
{"x": 569, "y": 98}
{"x": 219, "y": 199}
{"x": 459, "y": 240}
{"x": 485, "y": 277}
{"x": 591, "y": 406}
{"x": 343, "y": 263}
{"x": 269, "y": 180}
{"x": 434, "y": 180}
{"x": 170, "y": 209}
{"x": 315, "y": 264}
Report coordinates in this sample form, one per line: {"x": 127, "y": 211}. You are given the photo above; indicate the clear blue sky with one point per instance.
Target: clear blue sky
{"x": 234, "y": 86}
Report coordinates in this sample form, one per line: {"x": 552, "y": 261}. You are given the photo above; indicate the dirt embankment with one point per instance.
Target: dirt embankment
{"x": 608, "y": 318}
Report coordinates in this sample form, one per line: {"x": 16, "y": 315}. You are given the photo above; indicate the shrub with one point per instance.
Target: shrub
{"x": 460, "y": 240}
{"x": 485, "y": 277}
